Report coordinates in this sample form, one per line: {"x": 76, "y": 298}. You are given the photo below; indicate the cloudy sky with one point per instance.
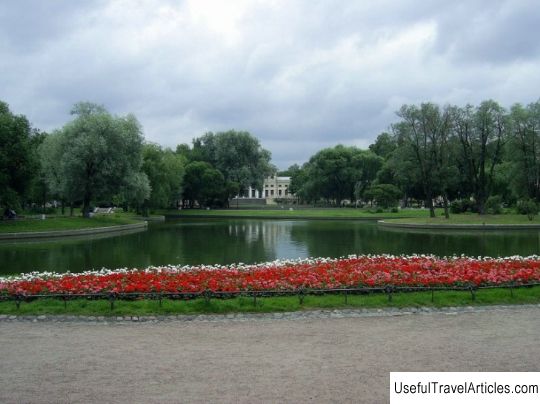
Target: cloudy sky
{"x": 299, "y": 75}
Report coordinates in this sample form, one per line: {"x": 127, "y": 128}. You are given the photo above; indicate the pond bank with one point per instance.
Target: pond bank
{"x": 73, "y": 232}
{"x": 458, "y": 226}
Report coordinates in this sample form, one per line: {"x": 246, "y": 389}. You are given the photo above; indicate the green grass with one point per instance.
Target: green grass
{"x": 272, "y": 304}
{"x": 328, "y": 213}
{"x": 470, "y": 218}
{"x": 64, "y": 223}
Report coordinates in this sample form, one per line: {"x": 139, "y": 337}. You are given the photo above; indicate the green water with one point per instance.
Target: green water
{"x": 211, "y": 241}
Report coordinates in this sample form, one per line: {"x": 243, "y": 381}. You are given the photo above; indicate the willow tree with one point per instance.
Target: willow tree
{"x": 97, "y": 155}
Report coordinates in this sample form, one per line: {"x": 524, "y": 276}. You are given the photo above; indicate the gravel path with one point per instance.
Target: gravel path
{"x": 262, "y": 359}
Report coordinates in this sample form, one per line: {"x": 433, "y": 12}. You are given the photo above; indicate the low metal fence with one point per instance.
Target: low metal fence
{"x": 388, "y": 290}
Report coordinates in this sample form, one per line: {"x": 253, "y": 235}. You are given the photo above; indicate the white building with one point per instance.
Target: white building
{"x": 274, "y": 187}
{"x": 277, "y": 187}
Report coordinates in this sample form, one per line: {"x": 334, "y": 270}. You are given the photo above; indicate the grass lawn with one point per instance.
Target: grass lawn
{"x": 272, "y": 304}
{"x": 64, "y": 223}
{"x": 470, "y": 218}
{"x": 303, "y": 213}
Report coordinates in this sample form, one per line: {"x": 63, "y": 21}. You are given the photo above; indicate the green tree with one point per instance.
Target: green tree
{"x": 204, "y": 185}
{"x": 165, "y": 171}
{"x": 50, "y": 153}
{"x": 401, "y": 170}
{"x": 289, "y": 172}
{"x": 523, "y": 151}
{"x": 482, "y": 134}
{"x": 384, "y": 195}
{"x": 135, "y": 191}
{"x": 99, "y": 155}
{"x": 18, "y": 163}
{"x": 384, "y": 145}
{"x": 237, "y": 155}
{"x": 337, "y": 173}
{"x": 425, "y": 131}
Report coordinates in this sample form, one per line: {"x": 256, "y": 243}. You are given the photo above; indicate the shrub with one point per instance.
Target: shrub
{"x": 462, "y": 206}
{"x": 494, "y": 205}
{"x": 527, "y": 207}
{"x": 384, "y": 195}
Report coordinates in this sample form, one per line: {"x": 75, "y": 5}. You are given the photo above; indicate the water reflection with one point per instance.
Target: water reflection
{"x": 204, "y": 241}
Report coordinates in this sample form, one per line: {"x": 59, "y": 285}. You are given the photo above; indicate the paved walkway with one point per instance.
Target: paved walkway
{"x": 317, "y": 359}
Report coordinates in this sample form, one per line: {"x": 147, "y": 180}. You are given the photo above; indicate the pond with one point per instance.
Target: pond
{"x": 225, "y": 241}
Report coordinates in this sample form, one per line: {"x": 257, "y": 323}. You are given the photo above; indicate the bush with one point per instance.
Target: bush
{"x": 527, "y": 207}
{"x": 462, "y": 206}
{"x": 494, "y": 205}
{"x": 384, "y": 195}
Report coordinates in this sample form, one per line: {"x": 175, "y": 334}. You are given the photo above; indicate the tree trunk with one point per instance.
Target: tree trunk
{"x": 481, "y": 204}
{"x": 445, "y": 202}
{"x": 44, "y": 200}
{"x": 430, "y": 206}
{"x": 71, "y": 209}
{"x": 86, "y": 206}
{"x": 63, "y": 207}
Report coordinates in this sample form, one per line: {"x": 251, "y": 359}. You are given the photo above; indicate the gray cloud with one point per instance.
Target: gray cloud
{"x": 299, "y": 75}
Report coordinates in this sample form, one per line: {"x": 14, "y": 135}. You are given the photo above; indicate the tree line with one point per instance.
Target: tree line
{"x": 101, "y": 159}
{"x": 471, "y": 158}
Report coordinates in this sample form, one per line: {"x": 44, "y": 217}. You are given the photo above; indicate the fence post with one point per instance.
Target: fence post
{"x": 511, "y": 291}
{"x": 64, "y": 298}
{"x": 432, "y": 297}
{"x": 473, "y": 296}
{"x": 389, "y": 292}
{"x": 255, "y": 299}
{"x": 301, "y": 296}
{"x": 346, "y": 293}
{"x": 159, "y": 298}
{"x": 111, "y": 300}
{"x": 18, "y": 301}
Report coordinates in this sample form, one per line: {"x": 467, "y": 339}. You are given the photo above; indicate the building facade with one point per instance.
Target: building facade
{"x": 274, "y": 187}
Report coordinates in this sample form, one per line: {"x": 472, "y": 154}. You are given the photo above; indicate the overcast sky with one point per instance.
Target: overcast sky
{"x": 299, "y": 75}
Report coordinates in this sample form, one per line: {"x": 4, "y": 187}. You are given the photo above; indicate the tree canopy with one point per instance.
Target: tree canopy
{"x": 18, "y": 159}
{"x": 237, "y": 155}
{"x": 95, "y": 156}
{"x": 336, "y": 174}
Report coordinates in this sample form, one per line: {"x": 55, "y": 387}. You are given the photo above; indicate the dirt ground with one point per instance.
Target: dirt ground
{"x": 317, "y": 360}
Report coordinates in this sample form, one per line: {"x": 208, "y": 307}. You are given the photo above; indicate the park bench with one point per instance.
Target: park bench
{"x": 103, "y": 210}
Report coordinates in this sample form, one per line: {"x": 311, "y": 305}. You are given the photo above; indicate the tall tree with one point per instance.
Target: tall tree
{"x": 237, "y": 155}
{"x": 18, "y": 163}
{"x": 203, "y": 184}
{"x": 384, "y": 145}
{"x": 425, "y": 130}
{"x": 100, "y": 154}
{"x": 482, "y": 133}
{"x": 335, "y": 173}
{"x": 165, "y": 171}
{"x": 524, "y": 150}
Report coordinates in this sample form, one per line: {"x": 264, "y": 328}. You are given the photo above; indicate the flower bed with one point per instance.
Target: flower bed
{"x": 319, "y": 273}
